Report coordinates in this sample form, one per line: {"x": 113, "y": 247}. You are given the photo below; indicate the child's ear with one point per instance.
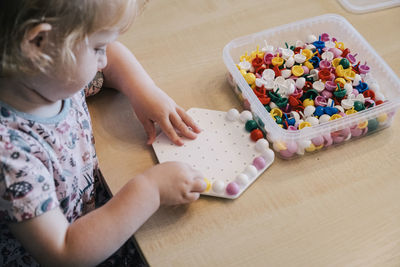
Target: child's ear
{"x": 35, "y": 39}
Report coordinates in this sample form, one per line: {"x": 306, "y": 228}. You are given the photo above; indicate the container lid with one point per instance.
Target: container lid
{"x": 364, "y": 6}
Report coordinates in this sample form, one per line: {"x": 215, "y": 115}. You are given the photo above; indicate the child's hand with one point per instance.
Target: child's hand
{"x": 124, "y": 73}
{"x": 155, "y": 106}
{"x": 177, "y": 182}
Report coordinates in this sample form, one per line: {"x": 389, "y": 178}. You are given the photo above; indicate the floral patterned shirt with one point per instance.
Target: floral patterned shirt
{"x": 46, "y": 163}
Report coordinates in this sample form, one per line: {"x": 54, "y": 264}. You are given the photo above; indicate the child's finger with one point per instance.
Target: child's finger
{"x": 199, "y": 185}
{"x": 170, "y": 132}
{"x": 192, "y": 196}
{"x": 150, "y": 130}
{"x": 188, "y": 120}
{"x": 181, "y": 126}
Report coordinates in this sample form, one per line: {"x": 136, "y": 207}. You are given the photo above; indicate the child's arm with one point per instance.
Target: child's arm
{"x": 94, "y": 237}
{"x": 123, "y": 72}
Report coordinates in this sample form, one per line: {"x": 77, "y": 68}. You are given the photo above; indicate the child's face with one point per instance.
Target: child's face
{"x": 90, "y": 57}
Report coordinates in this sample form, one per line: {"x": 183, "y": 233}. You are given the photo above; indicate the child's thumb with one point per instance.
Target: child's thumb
{"x": 199, "y": 185}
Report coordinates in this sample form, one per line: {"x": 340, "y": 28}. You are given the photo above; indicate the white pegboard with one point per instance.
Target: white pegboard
{"x": 222, "y": 151}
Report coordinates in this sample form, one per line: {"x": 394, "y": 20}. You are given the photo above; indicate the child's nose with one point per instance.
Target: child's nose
{"x": 102, "y": 62}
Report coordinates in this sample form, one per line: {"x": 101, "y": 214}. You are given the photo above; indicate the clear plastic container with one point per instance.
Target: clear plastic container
{"x": 364, "y": 6}
{"x": 332, "y": 132}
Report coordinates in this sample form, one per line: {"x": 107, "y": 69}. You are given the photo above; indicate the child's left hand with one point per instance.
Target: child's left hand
{"x": 155, "y": 106}
{"x": 150, "y": 103}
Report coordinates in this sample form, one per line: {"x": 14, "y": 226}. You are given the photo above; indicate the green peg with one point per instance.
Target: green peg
{"x": 345, "y": 63}
{"x": 251, "y": 125}
{"x": 278, "y": 119}
{"x": 372, "y": 125}
{"x": 359, "y": 106}
{"x": 274, "y": 96}
{"x": 340, "y": 93}
{"x": 282, "y": 103}
{"x": 311, "y": 94}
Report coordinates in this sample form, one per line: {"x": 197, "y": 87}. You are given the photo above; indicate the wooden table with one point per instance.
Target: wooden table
{"x": 339, "y": 207}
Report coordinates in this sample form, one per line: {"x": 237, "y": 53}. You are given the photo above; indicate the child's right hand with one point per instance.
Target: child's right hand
{"x": 52, "y": 240}
{"x": 177, "y": 182}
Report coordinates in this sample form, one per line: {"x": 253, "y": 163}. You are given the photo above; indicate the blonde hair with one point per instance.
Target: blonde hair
{"x": 72, "y": 21}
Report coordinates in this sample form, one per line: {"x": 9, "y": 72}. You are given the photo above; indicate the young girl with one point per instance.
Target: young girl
{"x": 52, "y": 206}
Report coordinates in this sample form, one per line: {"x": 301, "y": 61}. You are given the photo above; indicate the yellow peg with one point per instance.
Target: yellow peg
{"x": 335, "y": 62}
{"x": 339, "y": 45}
{"x": 309, "y": 65}
{"x": 311, "y": 148}
{"x": 208, "y": 184}
{"x": 307, "y": 53}
{"x": 277, "y": 61}
{"x": 297, "y": 70}
{"x": 335, "y": 117}
{"x": 304, "y": 124}
{"x": 351, "y": 111}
